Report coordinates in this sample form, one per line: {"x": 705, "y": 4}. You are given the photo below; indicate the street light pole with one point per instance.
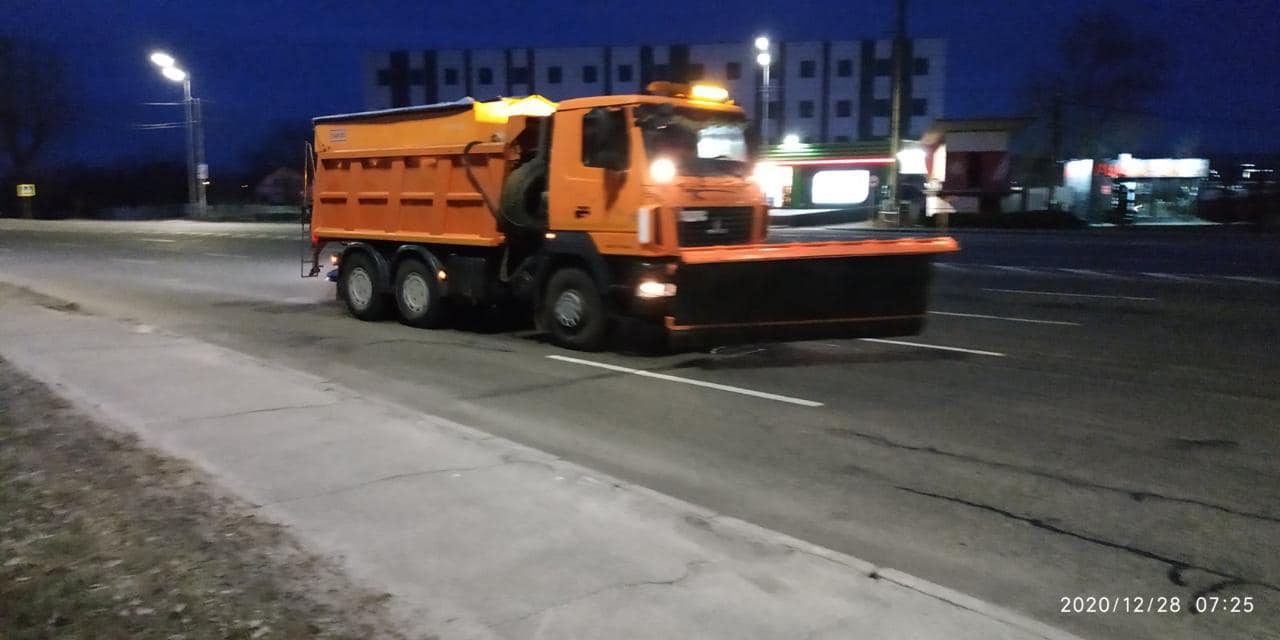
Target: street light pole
{"x": 188, "y": 108}
{"x": 765, "y": 60}
{"x": 197, "y": 170}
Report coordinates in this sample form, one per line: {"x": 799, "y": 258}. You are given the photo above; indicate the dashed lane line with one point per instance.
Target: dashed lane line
{"x": 689, "y": 381}
{"x": 937, "y": 347}
{"x": 983, "y": 316}
{"x": 1031, "y": 292}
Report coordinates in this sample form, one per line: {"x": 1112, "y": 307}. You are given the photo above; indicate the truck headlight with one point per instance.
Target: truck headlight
{"x": 662, "y": 170}
{"x": 655, "y": 289}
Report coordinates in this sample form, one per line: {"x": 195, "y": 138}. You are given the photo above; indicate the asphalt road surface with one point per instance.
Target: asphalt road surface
{"x": 1088, "y": 414}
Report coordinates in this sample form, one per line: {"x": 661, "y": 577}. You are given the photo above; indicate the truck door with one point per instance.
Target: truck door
{"x": 594, "y": 150}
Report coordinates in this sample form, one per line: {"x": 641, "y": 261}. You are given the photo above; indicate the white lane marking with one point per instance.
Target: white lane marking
{"x": 225, "y": 255}
{"x": 1007, "y": 267}
{"x": 950, "y": 266}
{"x": 1174, "y": 277}
{"x": 697, "y": 383}
{"x": 134, "y": 260}
{"x": 165, "y": 240}
{"x": 1071, "y": 295}
{"x": 1251, "y": 279}
{"x": 935, "y": 346}
{"x": 1092, "y": 274}
{"x": 1064, "y": 323}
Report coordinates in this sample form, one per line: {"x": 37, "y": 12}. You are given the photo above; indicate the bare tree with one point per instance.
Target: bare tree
{"x": 1092, "y": 99}
{"x": 34, "y": 104}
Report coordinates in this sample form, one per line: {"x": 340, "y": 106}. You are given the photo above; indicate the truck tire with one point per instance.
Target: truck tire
{"x": 574, "y": 312}
{"x": 417, "y": 294}
{"x": 358, "y": 288}
{"x": 522, "y": 202}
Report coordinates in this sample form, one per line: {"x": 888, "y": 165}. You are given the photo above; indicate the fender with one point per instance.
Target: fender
{"x": 577, "y": 244}
{"x": 382, "y": 279}
{"x": 424, "y": 254}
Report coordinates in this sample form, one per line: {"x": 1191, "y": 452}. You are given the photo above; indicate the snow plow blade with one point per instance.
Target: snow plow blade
{"x": 803, "y": 291}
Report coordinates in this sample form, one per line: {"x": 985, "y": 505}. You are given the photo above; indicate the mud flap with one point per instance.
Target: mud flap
{"x": 796, "y": 299}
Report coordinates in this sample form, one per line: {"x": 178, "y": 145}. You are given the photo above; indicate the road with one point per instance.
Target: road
{"x": 1086, "y": 414}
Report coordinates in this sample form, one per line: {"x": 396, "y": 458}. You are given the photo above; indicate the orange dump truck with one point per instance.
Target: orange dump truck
{"x": 587, "y": 213}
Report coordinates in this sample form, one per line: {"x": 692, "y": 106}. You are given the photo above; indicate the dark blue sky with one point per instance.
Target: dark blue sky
{"x": 259, "y": 62}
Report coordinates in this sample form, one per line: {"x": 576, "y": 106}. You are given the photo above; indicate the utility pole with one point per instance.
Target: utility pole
{"x": 1055, "y": 145}
{"x": 895, "y": 109}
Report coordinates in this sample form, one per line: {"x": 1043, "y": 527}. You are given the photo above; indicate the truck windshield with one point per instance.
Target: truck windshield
{"x": 699, "y": 142}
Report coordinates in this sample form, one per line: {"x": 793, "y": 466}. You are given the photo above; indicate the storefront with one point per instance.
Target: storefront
{"x": 825, "y": 176}
{"x": 1146, "y": 190}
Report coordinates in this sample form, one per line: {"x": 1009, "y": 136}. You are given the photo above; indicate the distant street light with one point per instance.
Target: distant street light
{"x": 765, "y": 60}
{"x": 162, "y": 59}
{"x": 173, "y": 73}
{"x": 197, "y": 170}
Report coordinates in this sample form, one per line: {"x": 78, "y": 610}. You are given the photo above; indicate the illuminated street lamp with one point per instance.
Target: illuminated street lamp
{"x": 764, "y": 59}
{"x": 197, "y": 170}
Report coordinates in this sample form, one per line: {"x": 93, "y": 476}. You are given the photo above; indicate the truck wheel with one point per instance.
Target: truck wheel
{"x": 418, "y": 295}
{"x": 574, "y": 311}
{"x": 357, "y": 286}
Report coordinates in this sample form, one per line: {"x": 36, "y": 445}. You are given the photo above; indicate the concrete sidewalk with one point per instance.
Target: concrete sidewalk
{"x": 473, "y": 535}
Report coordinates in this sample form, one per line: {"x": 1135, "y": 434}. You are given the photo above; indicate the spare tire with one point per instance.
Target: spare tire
{"x": 523, "y": 203}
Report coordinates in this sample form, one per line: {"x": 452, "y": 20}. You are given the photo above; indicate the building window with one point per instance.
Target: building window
{"x": 588, "y": 73}
{"x": 844, "y": 68}
{"x": 697, "y": 71}
{"x": 733, "y": 70}
{"x": 624, "y": 73}
{"x": 844, "y": 108}
{"x": 807, "y": 68}
{"x": 882, "y": 107}
{"x": 485, "y": 75}
{"x": 919, "y": 107}
{"x": 384, "y": 77}
{"x": 519, "y": 75}
{"x": 806, "y": 108}
{"x": 451, "y": 76}
{"x": 661, "y": 72}
{"x": 884, "y": 67}
{"x": 554, "y": 75}
{"x": 920, "y": 66}
{"x": 775, "y": 109}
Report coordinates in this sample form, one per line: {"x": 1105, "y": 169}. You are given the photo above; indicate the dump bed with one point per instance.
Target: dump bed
{"x": 401, "y": 174}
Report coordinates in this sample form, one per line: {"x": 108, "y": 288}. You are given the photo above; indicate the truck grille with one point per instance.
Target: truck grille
{"x": 705, "y": 227}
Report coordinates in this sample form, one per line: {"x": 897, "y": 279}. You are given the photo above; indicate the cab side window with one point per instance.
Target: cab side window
{"x": 605, "y": 142}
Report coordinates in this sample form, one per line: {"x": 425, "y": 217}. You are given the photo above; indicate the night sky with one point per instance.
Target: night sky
{"x": 255, "y": 63}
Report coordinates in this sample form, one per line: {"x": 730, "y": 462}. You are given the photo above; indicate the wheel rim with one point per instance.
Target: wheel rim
{"x": 359, "y": 287}
{"x": 568, "y": 309}
{"x": 416, "y": 293}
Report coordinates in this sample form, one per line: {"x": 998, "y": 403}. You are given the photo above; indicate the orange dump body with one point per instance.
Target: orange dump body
{"x": 401, "y": 174}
